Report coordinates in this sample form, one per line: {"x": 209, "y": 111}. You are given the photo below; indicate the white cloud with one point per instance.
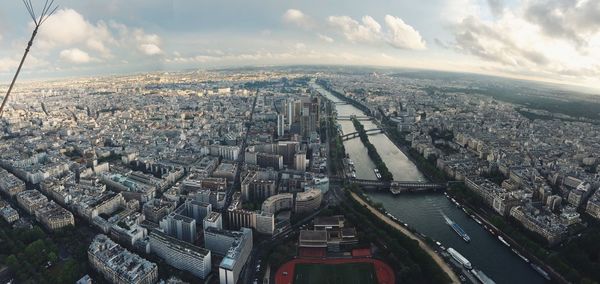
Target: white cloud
{"x": 67, "y": 28}
{"x": 496, "y": 7}
{"x": 371, "y": 24}
{"x": 75, "y": 55}
{"x": 10, "y": 64}
{"x": 517, "y": 42}
{"x": 149, "y": 44}
{"x": 150, "y": 49}
{"x": 325, "y": 38}
{"x": 571, "y": 20}
{"x": 297, "y": 17}
{"x": 76, "y": 36}
{"x": 402, "y": 35}
{"x": 368, "y": 31}
{"x": 455, "y": 10}
{"x": 397, "y": 33}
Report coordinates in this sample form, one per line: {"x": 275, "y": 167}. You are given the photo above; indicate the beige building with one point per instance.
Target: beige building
{"x": 308, "y": 201}
{"x": 54, "y": 217}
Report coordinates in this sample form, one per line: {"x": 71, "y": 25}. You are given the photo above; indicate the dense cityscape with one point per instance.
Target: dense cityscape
{"x": 202, "y": 175}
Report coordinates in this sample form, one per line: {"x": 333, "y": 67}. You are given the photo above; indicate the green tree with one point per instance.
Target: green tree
{"x": 52, "y": 257}
{"x": 12, "y": 262}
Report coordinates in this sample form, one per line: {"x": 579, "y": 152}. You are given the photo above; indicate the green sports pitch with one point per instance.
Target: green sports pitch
{"x": 343, "y": 273}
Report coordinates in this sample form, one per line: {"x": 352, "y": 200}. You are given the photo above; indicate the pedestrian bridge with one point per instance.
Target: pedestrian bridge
{"x": 355, "y": 134}
{"x": 397, "y": 187}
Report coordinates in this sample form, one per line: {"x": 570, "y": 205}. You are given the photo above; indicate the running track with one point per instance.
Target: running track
{"x": 384, "y": 273}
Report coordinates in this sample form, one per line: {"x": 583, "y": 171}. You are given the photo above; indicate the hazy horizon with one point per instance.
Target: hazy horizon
{"x": 548, "y": 41}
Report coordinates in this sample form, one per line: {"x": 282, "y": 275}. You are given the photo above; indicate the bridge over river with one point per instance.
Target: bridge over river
{"x": 396, "y": 187}
{"x": 350, "y": 117}
{"x": 355, "y": 134}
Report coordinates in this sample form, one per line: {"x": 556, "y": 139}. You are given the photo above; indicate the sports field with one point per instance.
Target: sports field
{"x": 342, "y": 273}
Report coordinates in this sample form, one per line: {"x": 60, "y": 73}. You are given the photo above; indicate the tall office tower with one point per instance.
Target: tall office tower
{"x": 287, "y": 149}
{"x": 197, "y": 210}
{"x": 280, "y": 125}
{"x": 290, "y": 114}
{"x": 309, "y": 120}
{"x": 179, "y": 226}
{"x": 300, "y": 162}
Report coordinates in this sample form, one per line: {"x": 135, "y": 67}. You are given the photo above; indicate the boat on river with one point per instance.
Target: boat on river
{"x": 457, "y": 229}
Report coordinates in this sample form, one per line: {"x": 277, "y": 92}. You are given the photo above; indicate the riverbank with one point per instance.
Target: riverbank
{"x": 425, "y": 247}
{"x": 428, "y": 220}
{"x": 372, "y": 151}
{"x": 485, "y": 218}
{"x": 326, "y": 86}
{"x": 415, "y": 262}
{"x": 431, "y": 174}
{"x": 430, "y": 171}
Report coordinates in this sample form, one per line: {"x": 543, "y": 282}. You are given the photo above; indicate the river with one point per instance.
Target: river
{"x": 423, "y": 212}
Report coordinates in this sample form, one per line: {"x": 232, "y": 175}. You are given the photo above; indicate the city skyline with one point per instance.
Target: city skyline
{"x": 238, "y": 142}
{"x": 551, "y": 41}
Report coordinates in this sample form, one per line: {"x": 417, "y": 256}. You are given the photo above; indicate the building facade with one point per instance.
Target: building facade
{"x": 181, "y": 255}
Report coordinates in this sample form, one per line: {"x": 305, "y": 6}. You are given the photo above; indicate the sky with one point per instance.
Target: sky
{"x": 547, "y": 40}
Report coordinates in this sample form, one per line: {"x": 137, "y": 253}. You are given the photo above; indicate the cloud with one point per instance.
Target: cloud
{"x": 441, "y": 43}
{"x": 515, "y": 43}
{"x": 298, "y": 18}
{"x": 371, "y": 24}
{"x": 137, "y": 39}
{"x": 300, "y": 46}
{"x": 496, "y": 7}
{"x": 149, "y": 44}
{"x": 291, "y": 55}
{"x": 75, "y": 55}
{"x": 402, "y": 35}
{"x": 494, "y": 43}
{"x": 10, "y": 64}
{"x": 566, "y": 19}
{"x": 398, "y": 34}
{"x": 368, "y": 31}
{"x": 150, "y": 49}
{"x": 78, "y": 39}
{"x": 453, "y": 11}
{"x": 325, "y": 38}
{"x": 67, "y": 28}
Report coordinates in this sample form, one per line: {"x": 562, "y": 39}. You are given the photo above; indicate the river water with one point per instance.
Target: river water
{"x": 423, "y": 212}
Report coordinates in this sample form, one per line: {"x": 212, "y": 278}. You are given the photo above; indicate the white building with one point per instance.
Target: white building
{"x": 236, "y": 257}
{"x": 180, "y": 254}
{"x": 213, "y": 220}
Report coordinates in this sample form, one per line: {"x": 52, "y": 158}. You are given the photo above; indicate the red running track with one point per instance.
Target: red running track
{"x": 384, "y": 273}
